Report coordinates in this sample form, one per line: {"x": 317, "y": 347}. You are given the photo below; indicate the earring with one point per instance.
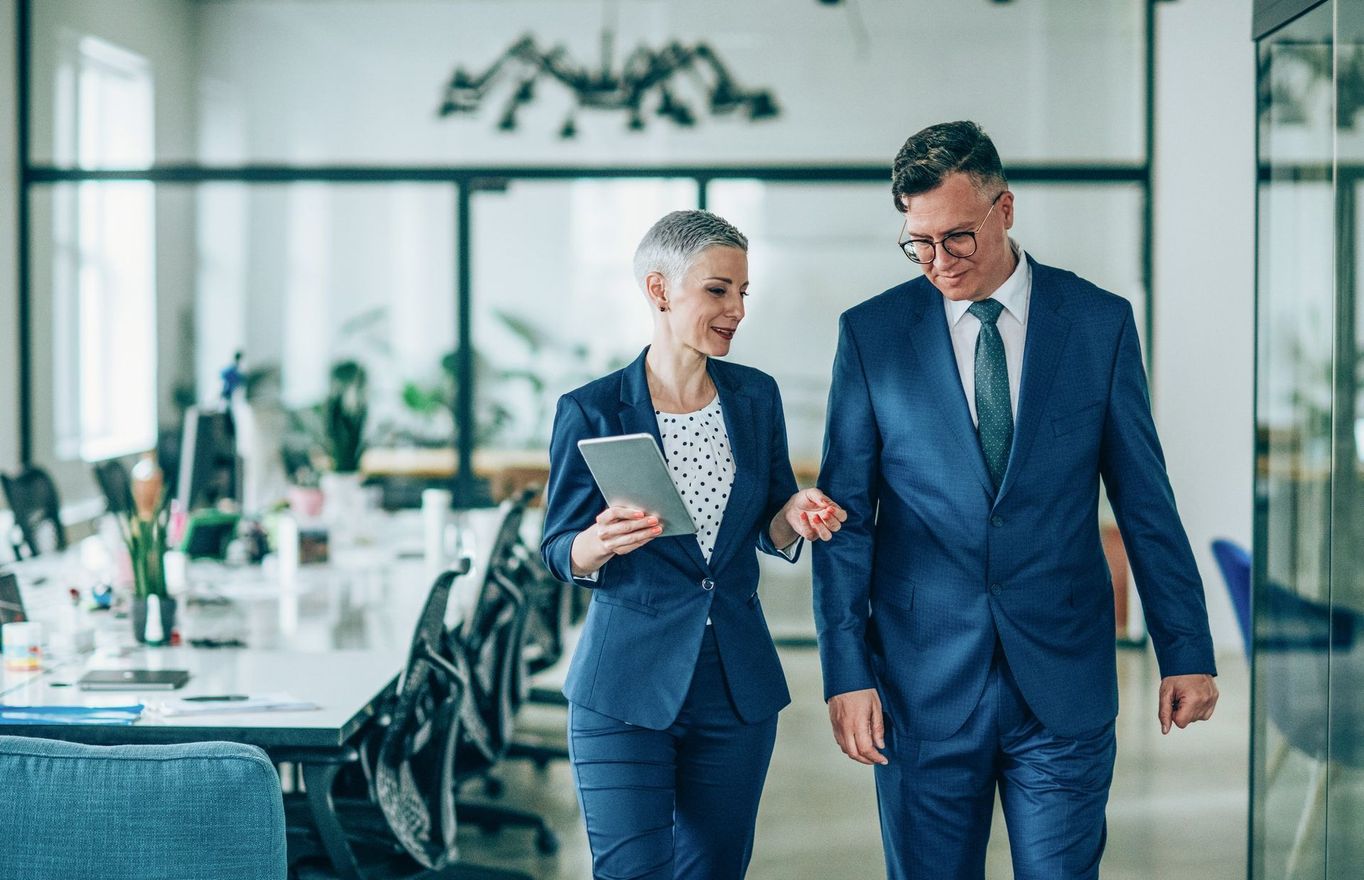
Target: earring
{"x": 662, "y": 308}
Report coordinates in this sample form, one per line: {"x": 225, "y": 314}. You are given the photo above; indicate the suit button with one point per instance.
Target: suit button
{"x": 707, "y": 584}
{"x": 996, "y": 589}
{"x": 996, "y": 521}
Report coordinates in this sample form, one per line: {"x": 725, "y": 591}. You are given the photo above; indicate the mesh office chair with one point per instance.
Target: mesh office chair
{"x": 413, "y": 771}
{"x": 492, "y": 641}
{"x": 549, "y": 618}
{"x": 407, "y": 757}
{"x": 116, "y": 484}
{"x": 32, "y": 497}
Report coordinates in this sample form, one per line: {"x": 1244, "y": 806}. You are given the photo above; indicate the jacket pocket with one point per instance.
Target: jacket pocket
{"x": 610, "y": 598}
{"x": 899, "y": 595}
{"x": 1072, "y": 422}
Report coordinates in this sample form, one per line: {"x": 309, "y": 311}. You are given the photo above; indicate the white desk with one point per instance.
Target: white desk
{"x": 336, "y": 635}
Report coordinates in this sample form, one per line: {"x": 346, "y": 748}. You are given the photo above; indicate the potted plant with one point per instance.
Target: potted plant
{"x": 337, "y": 425}
{"x": 144, "y": 531}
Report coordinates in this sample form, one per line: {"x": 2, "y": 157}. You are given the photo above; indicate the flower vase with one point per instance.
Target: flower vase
{"x": 153, "y": 619}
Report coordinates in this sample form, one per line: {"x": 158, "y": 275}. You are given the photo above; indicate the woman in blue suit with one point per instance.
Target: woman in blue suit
{"x": 675, "y": 685}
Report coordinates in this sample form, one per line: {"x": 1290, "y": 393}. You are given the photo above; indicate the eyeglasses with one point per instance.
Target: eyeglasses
{"x": 958, "y": 244}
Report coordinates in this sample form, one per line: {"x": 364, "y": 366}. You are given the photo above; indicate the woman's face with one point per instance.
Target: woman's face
{"x": 705, "y": 306}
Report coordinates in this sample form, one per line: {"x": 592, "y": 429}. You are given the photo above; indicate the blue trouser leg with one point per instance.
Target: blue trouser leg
{"x": 936, "y": 797}
{"x": 1054, "y": 791}
{"x": 675, "y": 804}
{"x": 936, "y": 800}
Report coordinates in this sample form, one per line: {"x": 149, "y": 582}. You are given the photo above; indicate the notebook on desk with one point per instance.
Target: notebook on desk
{"x": 133, "y": 679}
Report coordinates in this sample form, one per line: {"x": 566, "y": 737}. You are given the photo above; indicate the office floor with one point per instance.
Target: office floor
{"x": 1178, "y": 805}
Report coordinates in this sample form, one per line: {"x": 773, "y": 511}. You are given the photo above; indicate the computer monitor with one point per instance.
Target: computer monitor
{"x": 11, "y": 602}
{"x": 210, "y": 470}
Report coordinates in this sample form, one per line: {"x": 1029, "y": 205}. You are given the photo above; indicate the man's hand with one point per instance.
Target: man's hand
{"x": 1185, "y": 699}
{"x": 858, "y": 727}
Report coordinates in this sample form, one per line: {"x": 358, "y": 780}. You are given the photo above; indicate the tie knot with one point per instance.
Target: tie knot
{"x": 987, "y": 310}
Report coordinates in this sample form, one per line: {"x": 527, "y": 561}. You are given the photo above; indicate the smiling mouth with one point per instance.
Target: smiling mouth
{"x": 726, "y": 333}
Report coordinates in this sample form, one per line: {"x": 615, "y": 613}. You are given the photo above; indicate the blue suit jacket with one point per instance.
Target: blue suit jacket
{"x": 639, "y": 646}
{"x": 932, "y": 565}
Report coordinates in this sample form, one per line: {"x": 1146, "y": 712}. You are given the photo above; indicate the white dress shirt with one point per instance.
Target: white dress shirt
{"x": 1012, "y": 323}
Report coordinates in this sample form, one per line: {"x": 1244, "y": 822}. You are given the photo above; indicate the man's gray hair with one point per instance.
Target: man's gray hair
{"x": 930, "y": 155}
{"x": 673, "y": 243}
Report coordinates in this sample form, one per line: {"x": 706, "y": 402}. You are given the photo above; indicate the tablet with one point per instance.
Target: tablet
{"x": 630, "y": 472}
{"x": 133, "y": 679}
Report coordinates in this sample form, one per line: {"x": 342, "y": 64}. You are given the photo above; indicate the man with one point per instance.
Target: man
{"x": 965, "y": 615}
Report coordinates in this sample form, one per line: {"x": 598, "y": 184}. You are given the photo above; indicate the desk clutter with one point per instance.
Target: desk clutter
{"x": 304, "y": 664}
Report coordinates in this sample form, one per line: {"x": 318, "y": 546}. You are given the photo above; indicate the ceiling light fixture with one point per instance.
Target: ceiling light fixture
{"x": 648, "y": 75}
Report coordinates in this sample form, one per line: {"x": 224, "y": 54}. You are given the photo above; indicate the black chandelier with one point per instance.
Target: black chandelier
{"x": 647, "y": 75}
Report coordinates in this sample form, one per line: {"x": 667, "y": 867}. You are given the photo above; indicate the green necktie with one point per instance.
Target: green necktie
{"x": 994, "y": 415}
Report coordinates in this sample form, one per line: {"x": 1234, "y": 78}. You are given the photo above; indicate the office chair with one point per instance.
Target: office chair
{"x": 116, "y": 484}
{"x": 1299, "y": 644}
{"x": 407, "y": 757}
{"x": 492, "y": 641}
{"x": 1233, "y": 561}
{"x": 549, "y": 620}
{"x": 197, "y": 811}
{"x": 32, "y": 497}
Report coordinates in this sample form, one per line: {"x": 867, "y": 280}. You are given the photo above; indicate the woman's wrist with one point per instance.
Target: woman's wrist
{"x": 780, "y": 530}
{"x": 583, "y": 559}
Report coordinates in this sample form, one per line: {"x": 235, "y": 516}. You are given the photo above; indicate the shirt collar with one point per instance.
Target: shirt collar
{"x": 1013, "y": 294}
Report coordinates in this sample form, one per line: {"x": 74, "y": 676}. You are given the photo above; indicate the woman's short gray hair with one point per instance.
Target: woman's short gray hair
{"x": 673, "y": 243}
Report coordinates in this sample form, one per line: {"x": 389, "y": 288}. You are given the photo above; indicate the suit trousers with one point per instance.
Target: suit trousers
{"x": 936, "y": 798}
{"x": 674, "y": 803}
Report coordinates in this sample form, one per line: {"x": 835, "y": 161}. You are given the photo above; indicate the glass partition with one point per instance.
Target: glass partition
{"x": 139, "y": 313}
{"x": 554, "y": 305}
{"x": 1345, "y": 770}
{"x": 1304, "y": 625}
{"x": 819, "y": 249}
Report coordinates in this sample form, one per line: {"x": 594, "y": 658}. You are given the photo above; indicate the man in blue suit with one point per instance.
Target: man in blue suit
{"x": 965, "y": 615}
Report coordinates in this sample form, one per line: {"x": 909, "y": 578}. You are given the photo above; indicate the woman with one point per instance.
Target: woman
{"x": 675, "y": 685}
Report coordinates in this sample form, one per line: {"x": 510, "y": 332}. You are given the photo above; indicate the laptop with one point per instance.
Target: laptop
{"x": 133, "y": 679}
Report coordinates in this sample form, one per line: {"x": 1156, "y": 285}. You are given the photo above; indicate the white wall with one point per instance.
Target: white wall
{"x": 9, "y": 189}
{"x": 332, "y": 80}
{"x": 1205, "y": 295}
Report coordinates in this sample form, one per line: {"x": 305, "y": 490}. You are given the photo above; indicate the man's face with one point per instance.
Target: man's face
{"x": 958, "y": 205}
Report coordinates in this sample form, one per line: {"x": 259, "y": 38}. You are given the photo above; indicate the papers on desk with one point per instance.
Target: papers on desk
{"x": 70, "y": 714}
{"x": 233, "y": 703}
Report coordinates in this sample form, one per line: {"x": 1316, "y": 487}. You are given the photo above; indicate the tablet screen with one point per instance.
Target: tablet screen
{"x": 631, "y": 472}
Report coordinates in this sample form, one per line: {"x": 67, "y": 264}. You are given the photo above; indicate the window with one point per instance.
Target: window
{"x": 104, "y": 310}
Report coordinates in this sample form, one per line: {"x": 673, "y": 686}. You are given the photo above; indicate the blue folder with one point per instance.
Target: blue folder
{"x": 70, "y": 714}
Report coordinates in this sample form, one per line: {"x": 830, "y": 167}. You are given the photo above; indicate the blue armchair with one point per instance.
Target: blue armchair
{"x": 199, "y": 811}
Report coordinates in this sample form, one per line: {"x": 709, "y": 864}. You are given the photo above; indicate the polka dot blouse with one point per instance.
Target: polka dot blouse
{"x": 701, "y": 464}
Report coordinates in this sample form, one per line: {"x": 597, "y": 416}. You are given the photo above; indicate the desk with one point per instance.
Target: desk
{"x": 346, "y": 685}
{"x": 335, "y": 635}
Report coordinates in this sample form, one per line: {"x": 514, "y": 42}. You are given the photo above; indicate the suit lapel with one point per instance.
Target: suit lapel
{"x": 1046, "y": 339}
{"x": 637, "y": 416}
{"x": 743, "y": 428}
{"x": 937, "y": 371}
